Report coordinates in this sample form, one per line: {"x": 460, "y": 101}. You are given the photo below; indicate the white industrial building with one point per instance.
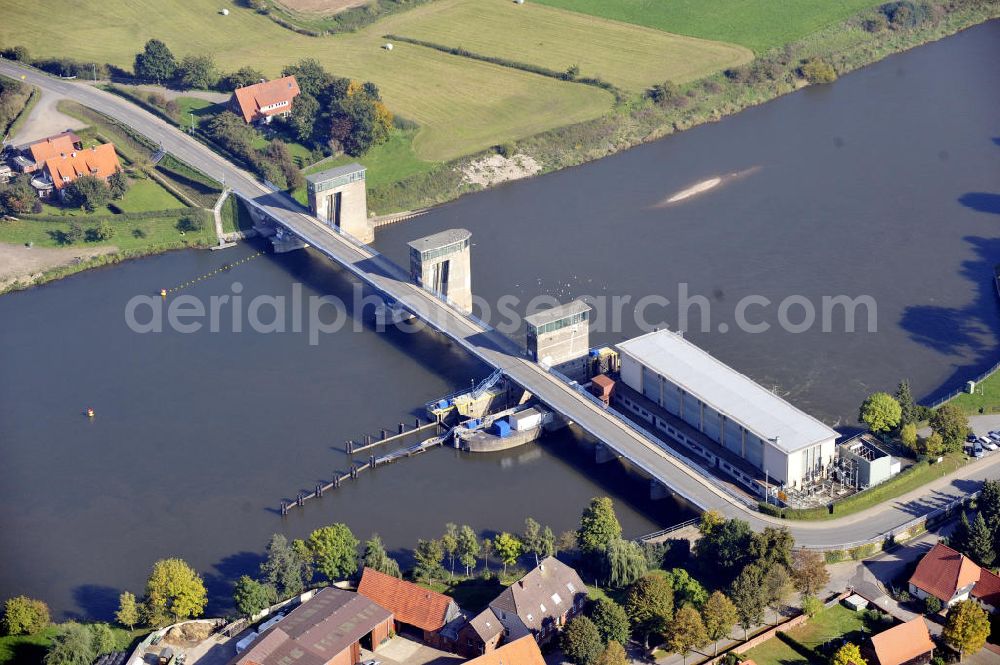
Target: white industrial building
{"x": 729, "y": 408}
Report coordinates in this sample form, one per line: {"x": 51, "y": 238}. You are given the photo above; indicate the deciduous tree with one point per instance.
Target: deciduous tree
{"x": 128, "y": 610}
{"x": 87, "y": 191}
{"x": 778, "y": 588}
{"x": 73, "y": 644}
{"x": 252, "y": 597}
{"x": 449, "y": 545}
{"x": 335, "y": 551}
{"x": 772, "y": 547}
{"x": 725, "y": 550}
{"x": 24, "y": 616}
{"x": 614, "y": 654}
{"x": 809, "y": 571}
{"x": 598, "y": 525}
{"x": 376, "y": 558}
{"x": 750, "y": 598}
{"x": 881, "y": 412}
{"x": 155, "y": 62}
{"x": 581, "y": 641}
{"x": 686, "y": 588}
{"x": 686, "y": 631}
{"x": 508, "y": 548}
{"x": 650, "y": 606}
{"x": 468, "y": 548}
{"x": 719, "y": 616}
{"x": 848, "y": 654}
{"x": 531, "y": 537}
{"x": 626, "y": 562}
{"x": 966, "y": 627}
{"x": 951, "y": 424}
{"x": 428, "y": 556}
{"x": 197, "y": 71}
{"x": 174, "y": 592}
{"x": 611, "y": 620}
{"x": 908, "y": 435}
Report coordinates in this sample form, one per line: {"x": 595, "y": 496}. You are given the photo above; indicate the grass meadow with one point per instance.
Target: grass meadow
{"x": 462, "y": 106}
{"x": 630, "y": 57}
{"x": 757, "y": 25}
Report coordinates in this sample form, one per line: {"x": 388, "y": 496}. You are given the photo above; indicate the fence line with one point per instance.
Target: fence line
{"x": 955, "y": 393}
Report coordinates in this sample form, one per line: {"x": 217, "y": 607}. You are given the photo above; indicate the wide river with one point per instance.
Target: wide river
{"x": 885, "y": 184}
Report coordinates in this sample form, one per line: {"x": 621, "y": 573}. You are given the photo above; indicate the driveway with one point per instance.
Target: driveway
{"x": 45, "y": 120}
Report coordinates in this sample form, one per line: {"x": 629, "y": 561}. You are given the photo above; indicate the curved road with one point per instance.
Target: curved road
{"x": 648, "y": 454}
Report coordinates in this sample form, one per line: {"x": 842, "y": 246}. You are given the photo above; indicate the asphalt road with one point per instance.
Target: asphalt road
{"x": 643, "y": 452}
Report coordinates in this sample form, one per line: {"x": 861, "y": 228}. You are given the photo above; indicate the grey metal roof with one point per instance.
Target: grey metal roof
{"x": 441, "y": 239}
{"x": 558, "y": 312}
{"x": 723, "y": 388}
{"x": 337, "y": 172}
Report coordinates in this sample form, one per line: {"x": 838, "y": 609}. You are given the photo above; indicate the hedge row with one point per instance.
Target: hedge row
{"x": 514, "y": 64}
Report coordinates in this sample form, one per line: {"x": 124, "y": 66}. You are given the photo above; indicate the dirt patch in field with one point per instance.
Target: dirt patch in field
{"x": 188, "y": 634}
{"x": 324, "y": 7}
{"x": 19, "y": 263}
{"x": 495, "y": 169}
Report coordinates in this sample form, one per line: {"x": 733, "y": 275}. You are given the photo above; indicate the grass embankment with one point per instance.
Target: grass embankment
{"x": 462, "y": 106}
{"x": 985, "y": 400}
{"x": 235, "y": 216}
{"x": 799, "y": 645}
{"x": 628, "y": 56}
{"x": 757, "y": 25}
{"x": 906, "y": 481}
{"x": 26, "y": 99}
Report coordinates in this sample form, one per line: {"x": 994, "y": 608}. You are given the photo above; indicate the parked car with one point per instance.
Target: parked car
{"x": 990, "y": 445}
{"x": 971, "y": 438}
{"x": 371, "y": 661}
{"x": 995, "y": 435}
{"x": 977, "y": 450}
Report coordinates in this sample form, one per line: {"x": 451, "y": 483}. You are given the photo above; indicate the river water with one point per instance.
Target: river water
{"x": 885, "y": 184}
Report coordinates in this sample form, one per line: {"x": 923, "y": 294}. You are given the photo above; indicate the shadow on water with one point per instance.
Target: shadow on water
{"x": 962, "y": 332}
{"x": 223, "y": 575}
{"x": 981, "y": 202}
{"x": 98, "y": 602}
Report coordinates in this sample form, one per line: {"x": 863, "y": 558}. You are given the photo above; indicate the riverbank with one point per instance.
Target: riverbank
{"x": 846, "y": 47}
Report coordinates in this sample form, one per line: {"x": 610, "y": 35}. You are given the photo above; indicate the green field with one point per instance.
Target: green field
{"x": 630, "y": 57}
{"x": 986, "y": 398}
{"x": 798, "y": 646}
{"x": 462, "y": 106}
{"x": 157, "y": 232}
{"x": 390, "y": 162}
{"x": 758, "y": 25}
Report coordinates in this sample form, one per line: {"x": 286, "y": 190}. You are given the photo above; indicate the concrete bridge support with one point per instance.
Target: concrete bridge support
{"x": 281, "y": 239}
{"x": 658, "y": 490}
{"x": 603, "y": 454}
{"x": 441, "y": 264}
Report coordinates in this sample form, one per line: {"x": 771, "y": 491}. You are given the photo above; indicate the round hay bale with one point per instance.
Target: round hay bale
{"x": 388, "y": 46}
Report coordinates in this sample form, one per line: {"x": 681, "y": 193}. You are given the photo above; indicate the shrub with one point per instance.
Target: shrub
{"x": 19, "y": 53}
{"x": 816, "y": 70}
{"x": 770, "y": 509}
{"x": 190, "y": 224}
{"x": 863, "y": 551}
{"x": 876, "y": 23}
{"x": 931, "y": 605}
{"x": 505, "y": 150}
{"x": 835, "y": 556}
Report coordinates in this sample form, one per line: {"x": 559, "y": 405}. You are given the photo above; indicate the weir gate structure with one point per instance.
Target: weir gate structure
{"x": 618, "y": 437}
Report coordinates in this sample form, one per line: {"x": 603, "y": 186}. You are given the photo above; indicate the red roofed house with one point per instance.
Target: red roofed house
{"x": 906, "y": 644}
{"x": 262, "y": 101}
{"x": 987, "y": 590}
{"x": 523, "y": 651}
{"x": 433, "y": 614}
{"x": 945, "y": 574}
{"x": 100, "y": 161}
{"x": 34, "y": 155}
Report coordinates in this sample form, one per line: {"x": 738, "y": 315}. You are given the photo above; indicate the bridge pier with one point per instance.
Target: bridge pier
{"x": 658, "y": 490}
{"x": 281, "y": 239}
{"x": 603, "y": 454}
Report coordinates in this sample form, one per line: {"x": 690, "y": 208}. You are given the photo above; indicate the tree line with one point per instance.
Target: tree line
{"x": 897, "y": 415}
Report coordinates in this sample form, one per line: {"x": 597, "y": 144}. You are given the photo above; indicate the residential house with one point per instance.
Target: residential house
{"x": 331, "y": 628}
{"x": 260, "y": 102}
{"x": 945, "y": 574}
{"x": 433, "y": 615}
{"x": 32, "y": 157}
{"x": 523, "y": 651}
{"x": 987, "y": 590}
{"x": 100, "y": 161}
{"x": 906, "y": 644}
{"x": 539, "y": 604}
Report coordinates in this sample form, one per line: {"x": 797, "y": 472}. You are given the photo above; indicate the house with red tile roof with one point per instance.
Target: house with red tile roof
{"x": 433, "y": 615}
{"x": 100, "y": 161}
{"x": 33, "y": 156}
{"x": 523, "y": 651}
{"x": 906, "y": 644}
{"x": 987, "y": 590}
{"x": 260, "y": 102}
{"x": 946, "y": 574}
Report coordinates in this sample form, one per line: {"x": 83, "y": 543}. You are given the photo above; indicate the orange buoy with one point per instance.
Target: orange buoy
{"x": 163, "y": 293}
{"x": 90, "y": 413}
